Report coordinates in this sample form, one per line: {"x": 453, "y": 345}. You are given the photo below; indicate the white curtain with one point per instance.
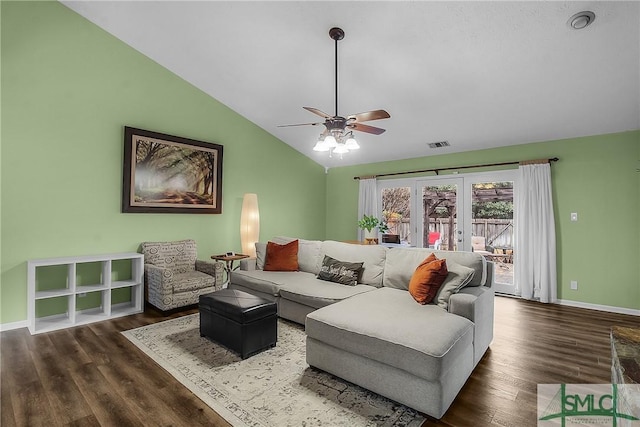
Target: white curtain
{"x": 367, "y": 201}
{"x": 535, "y": 244}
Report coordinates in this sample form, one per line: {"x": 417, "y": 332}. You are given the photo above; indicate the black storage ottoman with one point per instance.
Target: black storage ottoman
{"x": 242, "y": 322}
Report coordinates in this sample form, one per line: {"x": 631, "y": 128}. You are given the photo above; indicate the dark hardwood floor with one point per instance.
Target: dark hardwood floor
{"x": 92, "y": 376}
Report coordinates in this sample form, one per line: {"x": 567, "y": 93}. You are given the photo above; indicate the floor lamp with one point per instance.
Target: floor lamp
{"x": 249, "y": 224}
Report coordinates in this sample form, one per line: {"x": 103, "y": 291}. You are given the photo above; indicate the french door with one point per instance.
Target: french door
{"x": 470, "y": 212}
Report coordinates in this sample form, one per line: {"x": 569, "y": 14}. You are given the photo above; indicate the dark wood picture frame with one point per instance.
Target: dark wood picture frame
{"x": 170, "y": 174}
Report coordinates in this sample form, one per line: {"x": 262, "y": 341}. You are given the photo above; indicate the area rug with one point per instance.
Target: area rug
{"x": 273, "y": 388}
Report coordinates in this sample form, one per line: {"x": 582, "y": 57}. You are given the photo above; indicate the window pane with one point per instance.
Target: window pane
{"x": 396, "y": 211}
{"x": 440, "y": 215}
{"x": 492, "y": 222}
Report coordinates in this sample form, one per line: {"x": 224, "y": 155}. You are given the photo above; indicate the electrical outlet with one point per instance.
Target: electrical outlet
{"x": 574, "y": 285}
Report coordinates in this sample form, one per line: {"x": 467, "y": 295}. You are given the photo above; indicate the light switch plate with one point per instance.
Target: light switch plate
{"x": 574, "y": 216}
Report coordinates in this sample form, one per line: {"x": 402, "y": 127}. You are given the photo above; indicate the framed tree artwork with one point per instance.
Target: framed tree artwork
{"x": 170, "y": 174}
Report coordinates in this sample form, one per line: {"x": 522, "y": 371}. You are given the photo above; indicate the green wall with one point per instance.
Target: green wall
{"x": 596, "y": 177}
{"x": 67, "y": 90}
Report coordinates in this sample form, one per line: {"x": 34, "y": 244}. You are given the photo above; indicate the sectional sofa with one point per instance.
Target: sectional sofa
{"x": 374, "y": 333}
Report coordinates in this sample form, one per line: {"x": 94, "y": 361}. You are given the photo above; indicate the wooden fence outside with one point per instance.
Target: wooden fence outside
{"x": 498, "y": 233}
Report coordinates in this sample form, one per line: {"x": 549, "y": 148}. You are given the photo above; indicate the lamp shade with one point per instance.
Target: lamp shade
{"x": 249, "y": 224}
{"x": 351, "y": 143}
{"x": 321, "y": 146}
{"x": 330, "y": 141}
{"x": 341, "y": 149}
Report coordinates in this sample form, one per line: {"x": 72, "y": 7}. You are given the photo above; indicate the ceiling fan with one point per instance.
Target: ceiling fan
{"x": 338, "y": 136}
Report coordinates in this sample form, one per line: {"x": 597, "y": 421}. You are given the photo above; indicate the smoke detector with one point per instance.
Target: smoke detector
{"x": 581, "y": 20}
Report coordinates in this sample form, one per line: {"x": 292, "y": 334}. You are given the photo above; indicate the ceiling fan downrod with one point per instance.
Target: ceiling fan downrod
{"x": 336, "y": 34}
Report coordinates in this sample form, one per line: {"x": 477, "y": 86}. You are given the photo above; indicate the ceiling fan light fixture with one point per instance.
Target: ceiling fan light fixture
{"x": 340, "y": 149}
{"x": 351, "y": 142}
{"x": 321, "y": 146}
{"x": 330, "y": 141}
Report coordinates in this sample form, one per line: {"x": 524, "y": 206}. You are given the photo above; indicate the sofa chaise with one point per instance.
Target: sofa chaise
{"x": 374, "y": 333}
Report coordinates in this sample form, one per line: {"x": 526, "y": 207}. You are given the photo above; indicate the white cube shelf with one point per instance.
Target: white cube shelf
{"x": 72, "y": 288}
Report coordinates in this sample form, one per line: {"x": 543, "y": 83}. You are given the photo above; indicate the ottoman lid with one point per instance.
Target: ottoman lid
{"x": 237, "y": 305}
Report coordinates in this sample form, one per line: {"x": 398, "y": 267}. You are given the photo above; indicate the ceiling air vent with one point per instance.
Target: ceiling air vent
{"x": 438, "y": 144}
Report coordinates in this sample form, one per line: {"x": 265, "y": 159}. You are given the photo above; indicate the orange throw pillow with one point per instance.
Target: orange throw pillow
{"x": 281, "y": 257}
{"x": 427, "y": 279}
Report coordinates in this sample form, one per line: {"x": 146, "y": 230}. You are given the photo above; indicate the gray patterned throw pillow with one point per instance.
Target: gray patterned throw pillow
{"x": 345, "y": 273}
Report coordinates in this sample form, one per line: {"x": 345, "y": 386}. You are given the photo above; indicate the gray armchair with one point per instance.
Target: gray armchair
{"x": 174, "y": 277}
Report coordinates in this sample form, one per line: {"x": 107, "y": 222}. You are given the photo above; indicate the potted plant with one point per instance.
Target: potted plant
{"x": 368, "y": 223}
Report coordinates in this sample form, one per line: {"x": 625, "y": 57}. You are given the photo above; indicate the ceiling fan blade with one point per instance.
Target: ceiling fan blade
{"x": 365, "y": 128}
{"x": 299, "y": 124}
{"x": 369, "y": 115}
{"x": 318, "y": 112}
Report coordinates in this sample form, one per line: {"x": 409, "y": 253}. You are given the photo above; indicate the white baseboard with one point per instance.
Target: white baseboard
{"x": 14, "y": 325}
{"x": 578, "y": 304}
{"x": 599, "y": 307}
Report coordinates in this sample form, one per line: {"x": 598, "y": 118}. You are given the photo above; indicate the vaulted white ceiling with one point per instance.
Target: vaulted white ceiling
{"x": 476, "y": 74}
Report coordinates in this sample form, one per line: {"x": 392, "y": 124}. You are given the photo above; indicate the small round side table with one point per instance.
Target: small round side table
{"x": 228, "y": 260}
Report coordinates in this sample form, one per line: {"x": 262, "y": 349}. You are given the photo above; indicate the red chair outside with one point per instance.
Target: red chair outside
{"x": 434, "y": 240}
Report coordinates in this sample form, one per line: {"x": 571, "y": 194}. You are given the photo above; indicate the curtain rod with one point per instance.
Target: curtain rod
{"x": 437, "y": 170}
